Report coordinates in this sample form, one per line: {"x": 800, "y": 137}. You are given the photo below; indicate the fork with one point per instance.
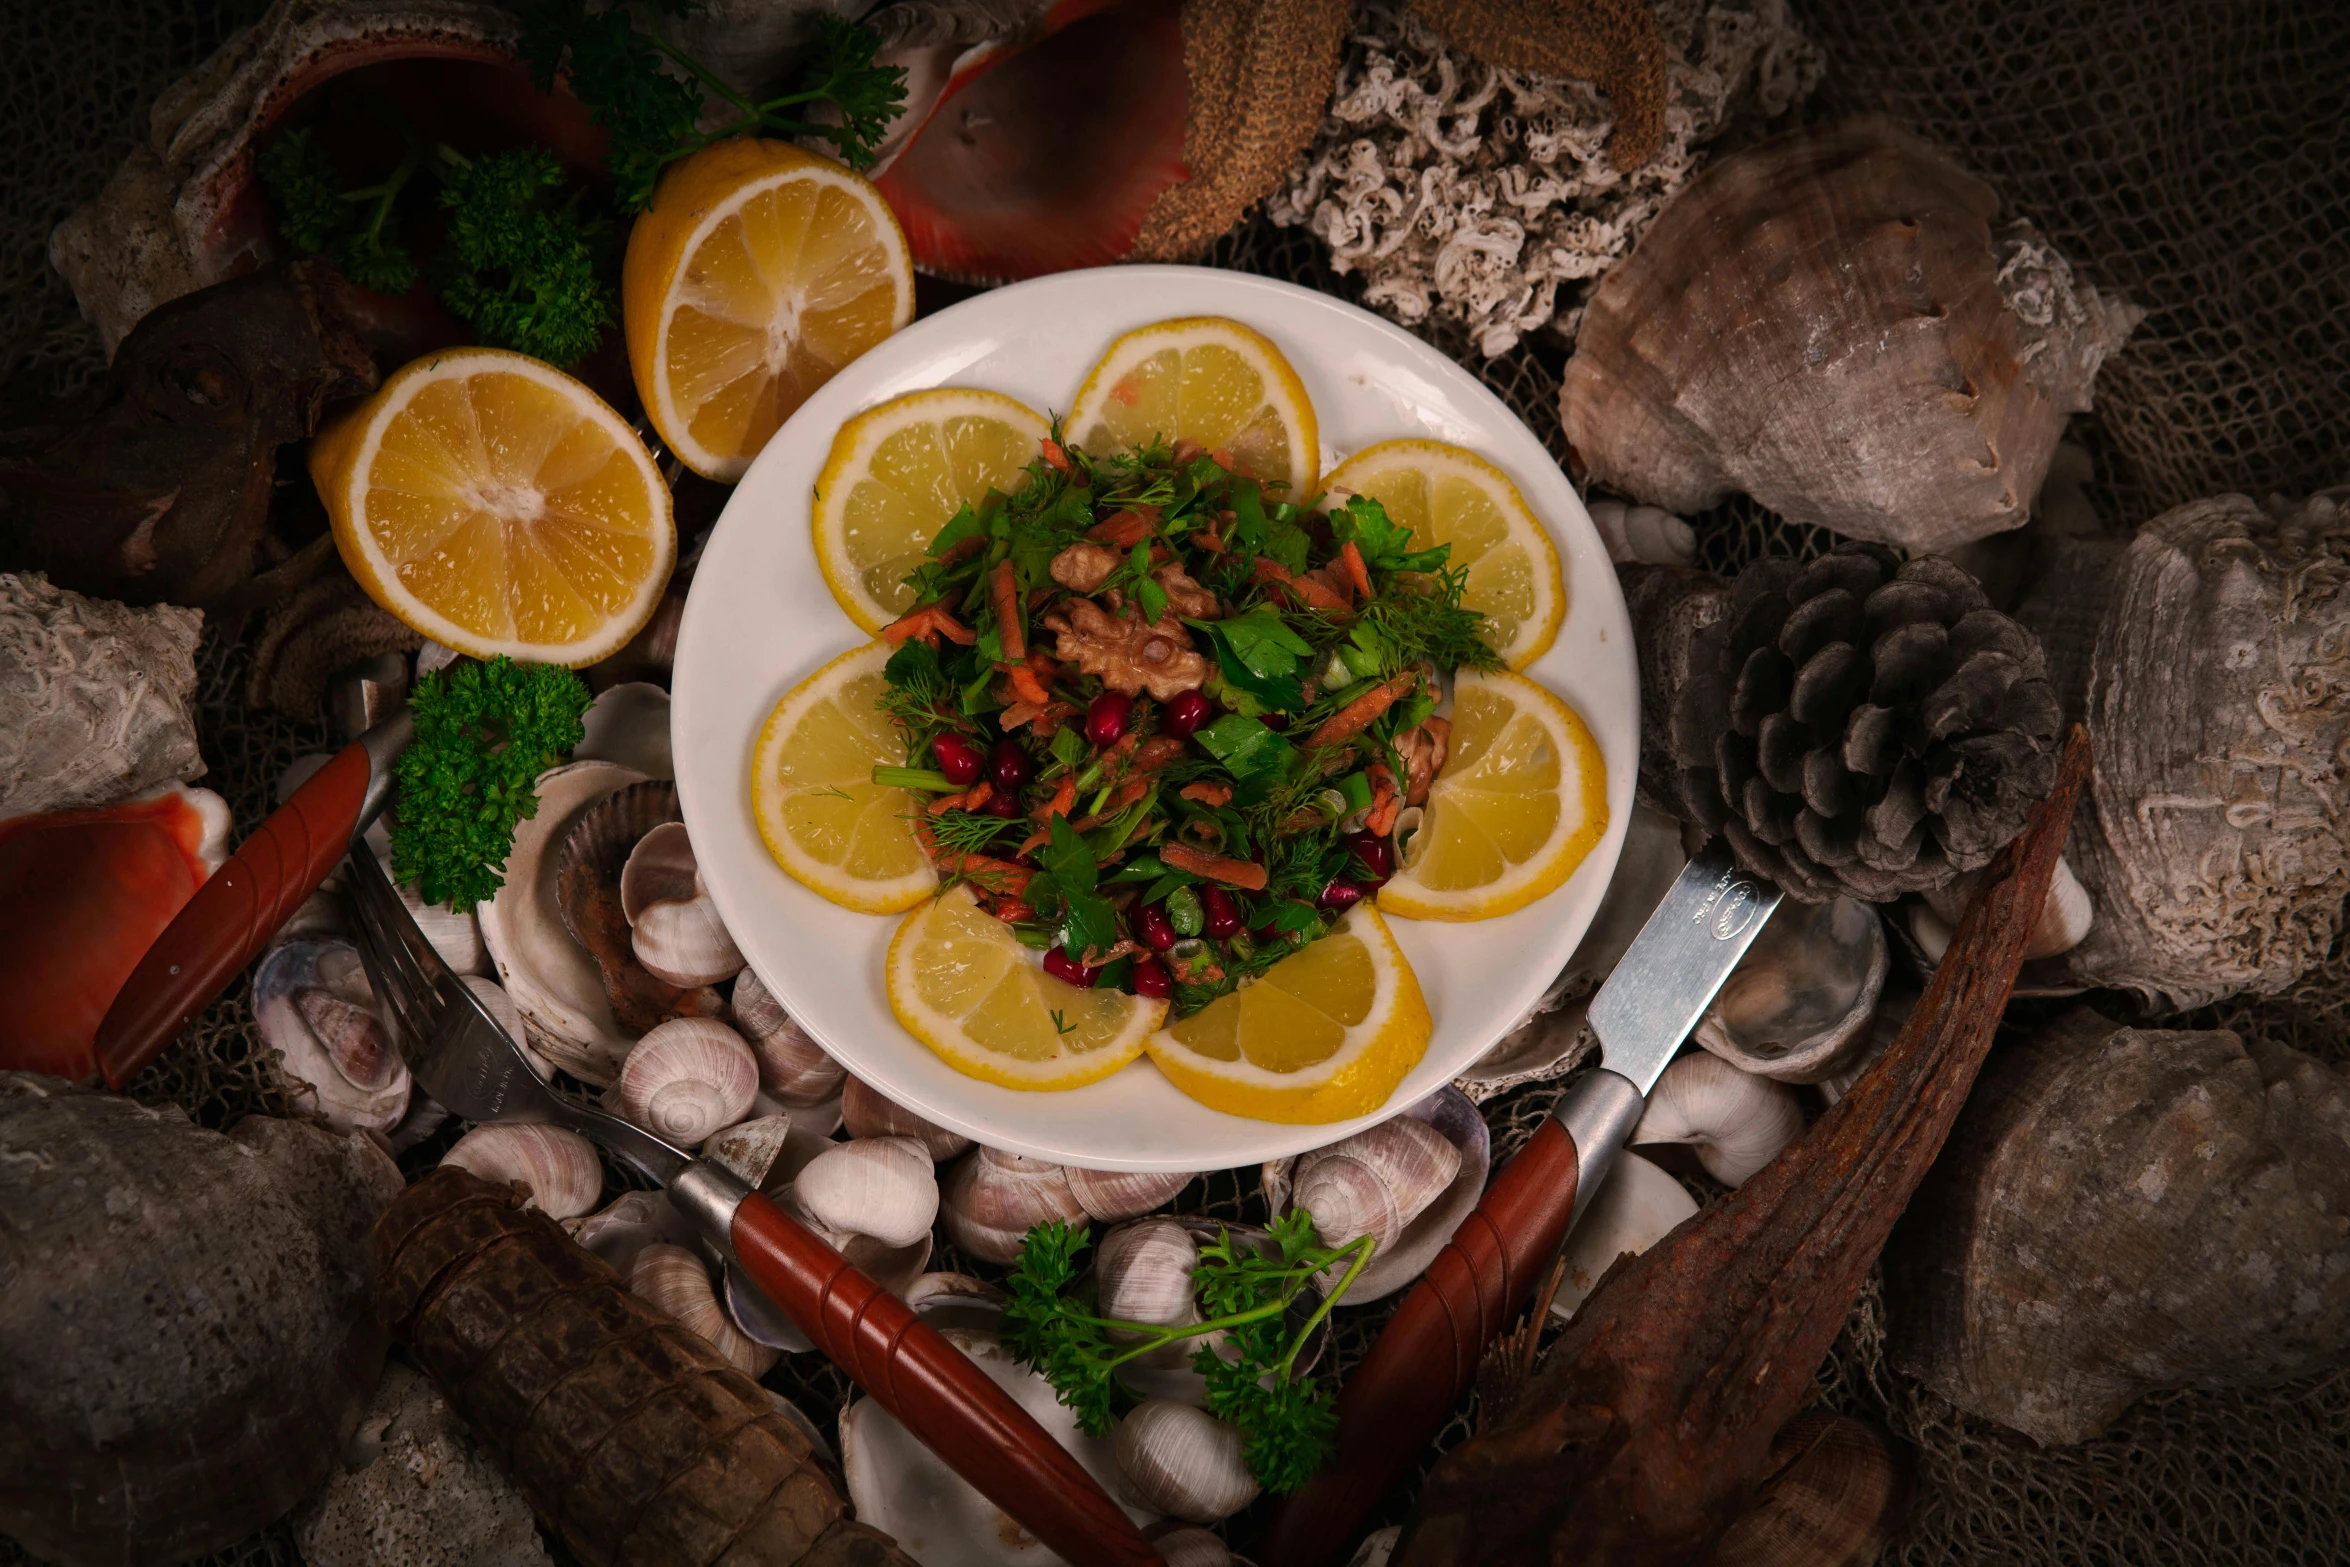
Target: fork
{"x": 468, "y": 1062}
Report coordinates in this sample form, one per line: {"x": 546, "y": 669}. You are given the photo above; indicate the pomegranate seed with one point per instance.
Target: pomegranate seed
{"x": 1156, "y": 930}
{"x": 1063, "y": 967}
{"x": 1188, "y": 714}
{"x": 1340, "y": 894}
{"x": 1004, "y": 803}
{"x": 1373, "y": 853}
{"x": 1105, "y": 719}
{"x": 1150, "y": 978}
{"x": 1008, "y": 766}
{"x": 1223, "y": 915}
{"x": 958, "y": 758}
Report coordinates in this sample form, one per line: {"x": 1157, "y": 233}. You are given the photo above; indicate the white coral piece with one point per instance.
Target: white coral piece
{"x": 94, "y": 698}
{"x": 1482, "y": 196}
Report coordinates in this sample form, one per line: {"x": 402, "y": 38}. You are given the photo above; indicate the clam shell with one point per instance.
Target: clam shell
{"x": 1182, "y": 1460}
{"x": 554, "y": 983}
{"x": 686, "y": 1080}
{"x": 868, "y": 1112}
{"x": 589, "y": 866}
{"x": 559, "y": 1168}
{"x": 313, "y": 1007}
{"x": 628, "y": 724}
{"x": 993, "y": 1198}
{"x": 455, "y": 935}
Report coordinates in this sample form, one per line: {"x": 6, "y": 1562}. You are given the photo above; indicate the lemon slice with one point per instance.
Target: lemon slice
{"x": 1521, "y": 799}
{"x": 824, "y": 818}
{"x": 1324, "y": 1034}
{"x": 1203, "y": 379}
{"x": 1449, "y": 496}
{"x": 963, "y": 985}
{"x": 897, "y": 473}
{"x": 758, "y": 271}
{"x": 496, "y": 505}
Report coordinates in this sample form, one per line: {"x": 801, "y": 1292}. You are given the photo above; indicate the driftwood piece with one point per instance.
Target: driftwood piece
{"x": 632, "y": 1439}
{"x": 2122, "y": 1210}
{"x": 1648, "y": 1431}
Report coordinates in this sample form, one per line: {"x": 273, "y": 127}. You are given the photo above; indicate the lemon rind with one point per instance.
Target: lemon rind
{"x": 1305, "y": 443}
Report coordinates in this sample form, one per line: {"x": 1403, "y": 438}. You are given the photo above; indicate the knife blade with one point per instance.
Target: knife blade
{"x": 1415, "y": 1375}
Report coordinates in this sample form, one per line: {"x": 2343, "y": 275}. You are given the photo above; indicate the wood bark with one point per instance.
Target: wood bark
{"x": 1648, "y": 1430}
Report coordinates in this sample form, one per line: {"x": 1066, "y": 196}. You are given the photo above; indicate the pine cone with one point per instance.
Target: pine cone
{"x": 1861, "y": 726}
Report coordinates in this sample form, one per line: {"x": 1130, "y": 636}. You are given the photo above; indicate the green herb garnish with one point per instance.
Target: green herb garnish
{"x": 522, "y": 264}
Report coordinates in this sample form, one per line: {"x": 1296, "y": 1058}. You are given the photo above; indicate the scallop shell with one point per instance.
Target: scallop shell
{"x": 686, "y": 1080}
{"x": 312, "y": 1005}
{"x": 1181, "y": 1460}
{"x": 1829, "y": 322}
{"x": 674, "y": 1280}
{"x": 589, "y": 867}
{"x": 993, "y": 1198}
{"x": 792, "y": 1067}
{"x": 559, "y": 1168}
{"x": 1839, "y": 1492}
{"x": 878, "y": 1186}
{"x": 454, "y": 934}
{"x": 553, "y": 981}
{"x": 867, "y": 1112}
{"x": 1797, "y": 1006}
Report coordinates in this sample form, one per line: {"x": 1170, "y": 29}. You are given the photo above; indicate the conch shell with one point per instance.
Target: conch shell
{"x": 1831, "y": 323}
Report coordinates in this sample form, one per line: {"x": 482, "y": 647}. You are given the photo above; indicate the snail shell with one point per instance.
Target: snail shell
{"x": 1142, "y": 1273}
{"x": 1375, "y": 1182}
{"x": 1648, "y": 535}
{"x": 688, "y": 1079}
{"x": 867, "y": 1112}
{"x": 1797, "y": 1007}
{"x": 1737, "y": 1121}
{"x": 1111, "y": 1195}
{"x": 1452, "y": 1116}
{"x": 673, "y": 1279}
{"x": 590, "y": 863}
{"x": 455, "y": 936}
{"x": 1183, "y": 1461}
{"x": 792, "y": 1067}
{"x": 559, "y": 1168}
{"x": 992, "y": 1198}
{"x": 630, "y": 1223}
{"x": 674, "y": 928}
{"x": 878, "y": 1186}
{"x": 312, "y": 1005}
{"x": 628, "y": 724}
{"x": 1188, "y": 1545}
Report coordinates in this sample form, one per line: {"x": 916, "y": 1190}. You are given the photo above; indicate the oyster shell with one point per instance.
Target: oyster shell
{"x": 313, "y": 1006}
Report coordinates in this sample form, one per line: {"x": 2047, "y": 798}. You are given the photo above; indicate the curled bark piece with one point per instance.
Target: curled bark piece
{"x": 634, "y": 1440}
{"x": 1649, "y": 1429}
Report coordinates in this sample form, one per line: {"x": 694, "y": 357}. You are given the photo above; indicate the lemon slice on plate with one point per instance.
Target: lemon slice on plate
{"x": 1203, "y": 379}
{"x": 1324, "y": 1034}
{"x": 758, "y": 271}
{"x": 496, "y": 505}
{"x": 897, "y": 474}
{"x": 824, "y": 818}
{"x": 1449, "y": 496}
{"x": 1521, "y": 799}
{"x": 963, "y": 985}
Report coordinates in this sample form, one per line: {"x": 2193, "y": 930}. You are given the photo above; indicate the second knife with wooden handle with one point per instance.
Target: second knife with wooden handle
{"x": 1424, "y": 1361}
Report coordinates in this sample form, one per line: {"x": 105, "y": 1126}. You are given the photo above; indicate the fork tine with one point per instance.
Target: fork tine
{"x": 413, "y": 992}
{"x": 393, "y": 987}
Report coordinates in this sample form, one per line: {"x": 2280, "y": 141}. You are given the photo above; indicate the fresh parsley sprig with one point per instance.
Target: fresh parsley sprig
{"x": 1286, "y": 1425}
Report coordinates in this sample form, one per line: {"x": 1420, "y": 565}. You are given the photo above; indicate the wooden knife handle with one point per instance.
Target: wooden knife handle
{"x": 955, "y": 1408}
{"x": 1403, "y": 1392}
{"x": 233, "y": 915}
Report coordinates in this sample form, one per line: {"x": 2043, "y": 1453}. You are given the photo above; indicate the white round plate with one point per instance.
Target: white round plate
{"x": 760, "y": 619}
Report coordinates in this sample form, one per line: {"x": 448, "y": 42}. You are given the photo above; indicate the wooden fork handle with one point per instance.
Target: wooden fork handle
{"x": 955, "y": 1408}
{"x": 233, "y": 915}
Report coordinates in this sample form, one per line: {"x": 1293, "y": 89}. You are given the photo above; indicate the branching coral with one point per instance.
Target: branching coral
{"x": 1486, "y": 196}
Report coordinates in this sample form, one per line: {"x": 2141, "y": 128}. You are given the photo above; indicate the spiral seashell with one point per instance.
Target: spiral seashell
{"x": 992, "y": 1198}
{"x": 1142, "y": 1273}
{"x": 792, "y": 1067}
{"x": 867, "y": 1112}
{"x": 1111, "y": 1195}
{"x": 1738, "y": 1122}
{"x": 1183, "y": 1461}
{"x": 1188, "y": 1545}
{"x": 878, "y": 1186}
{"x": 1647, "y": 534}
{"x": 1375, "y": 1182}
{"x": 673, "y": 1280}
{"x": 559, "y": 1168}
{"x": 674, "y": 928}
{"x": 628, "y": 1224}
{"x": 687, "y": 1079}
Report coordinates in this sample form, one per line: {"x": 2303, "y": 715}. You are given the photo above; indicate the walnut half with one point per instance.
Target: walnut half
{"x": 1126, "y": 654}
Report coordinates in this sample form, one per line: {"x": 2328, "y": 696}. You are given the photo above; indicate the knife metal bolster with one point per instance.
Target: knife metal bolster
{"x": 1598, "y": 1115}
{"x": 1668, "y": 976}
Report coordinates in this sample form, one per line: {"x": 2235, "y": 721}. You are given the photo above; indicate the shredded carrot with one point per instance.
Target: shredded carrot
{"x": 989, "y": 874}
{"x": 1207, "y": 793}
{"x": 1127, "y": 529}
{"x": 1035, "y": 840}
{"x": 1157, "y": 752}
{"x": 929, "y": 623}
{"x": 1225, "y": 460}
{"x": 970, "y": 799}
{"x": 1266, "y": 569}
{"x": 1356, "y": 572}
{"x": 1003, "y": 586}
{"x": 1044, "y": 723}
{"x": 1063, "y": 798}
{"x": 1053, "y": 453}
{"x": 1243, "y": 874}
{"x": 1025, "y": 685}
{"x": 1357, "y": 715}
{"x": 1307, "y": 591}
{"x": 1386, "y": 803}
{"x": 1126, "y": 794}
{"x": 1012, "y": 911}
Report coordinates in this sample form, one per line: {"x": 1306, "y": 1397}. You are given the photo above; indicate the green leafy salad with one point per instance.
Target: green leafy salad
{"x": 1163, "y": 720}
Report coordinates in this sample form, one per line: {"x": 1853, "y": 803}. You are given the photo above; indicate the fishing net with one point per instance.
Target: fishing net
{"x": 2194, "y": 156}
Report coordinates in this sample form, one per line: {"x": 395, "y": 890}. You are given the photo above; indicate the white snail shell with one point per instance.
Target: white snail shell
{"x": 1637, "y": 1206}
{"x": 1375, "y": 1182}
{"x": 1188, "y": 1545}
{"x": 672, "y": 1279}
{"x": 1183, "y": 1461}
{"x": 1647, "y": 534}
{"x": 992, "y": 1198}
{"x": 1142, "y": 1273}
{"x": 674, "y": 928}
{"x": 630, "y": 1223}
{"x": 559, "y": 1168}
{"x": 687, "y": 1079}
{"x": 1738, "y": 1122}
{"x": 793, "y": 1068}
{"x": 867, "y": 1112}
{"x": 1111, "y": 1195}
{"x": 878, "y": 1186}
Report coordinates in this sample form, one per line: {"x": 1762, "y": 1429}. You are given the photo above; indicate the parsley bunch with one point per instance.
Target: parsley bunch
{"x": 484, "y": 732}
{"x": 526, "y": 268}
{"x": 353, "y": 227}
{"x": 1286, "y": 1424}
